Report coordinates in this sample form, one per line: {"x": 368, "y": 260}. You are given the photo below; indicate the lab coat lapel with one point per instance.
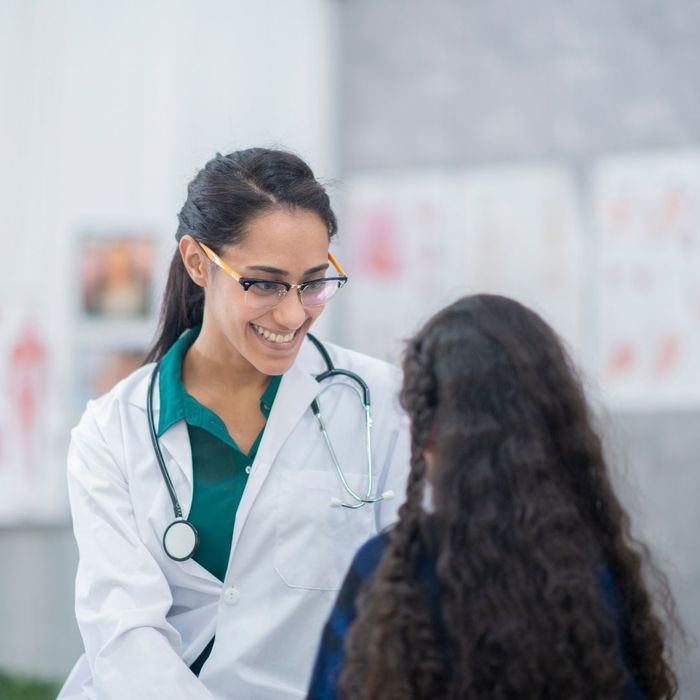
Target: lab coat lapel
{"x": 174, "y": 444}
{"x": 294, "y": 396}
{"x": 177, "y": 453}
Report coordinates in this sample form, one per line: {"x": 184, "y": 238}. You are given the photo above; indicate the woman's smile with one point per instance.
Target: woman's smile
{"x": 278, "y": 340}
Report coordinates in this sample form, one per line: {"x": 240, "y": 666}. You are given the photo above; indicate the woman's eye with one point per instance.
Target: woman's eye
{"x": 267, "y": 288}
{"x": 315, "y": 285}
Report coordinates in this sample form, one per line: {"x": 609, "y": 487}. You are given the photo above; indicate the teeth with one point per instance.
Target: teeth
{"x": 273, "y": 337}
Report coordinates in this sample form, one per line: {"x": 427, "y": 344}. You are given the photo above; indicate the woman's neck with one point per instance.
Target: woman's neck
{"x": 212, "y": 366}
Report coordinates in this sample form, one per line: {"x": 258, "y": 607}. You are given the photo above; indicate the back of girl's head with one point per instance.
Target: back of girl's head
{"x": 504, "y": 395}
{"x": 524, "y": 530}
{"x": 222, "y": 199}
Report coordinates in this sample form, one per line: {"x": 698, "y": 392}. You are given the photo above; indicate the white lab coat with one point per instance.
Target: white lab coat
{"x": 145, "y": 618}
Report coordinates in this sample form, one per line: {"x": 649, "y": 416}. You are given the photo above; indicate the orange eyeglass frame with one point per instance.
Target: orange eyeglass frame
{"x": 343, "y": 278}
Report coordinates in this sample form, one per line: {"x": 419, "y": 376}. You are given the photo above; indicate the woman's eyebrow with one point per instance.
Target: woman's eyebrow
{"x": 277, "y": 271}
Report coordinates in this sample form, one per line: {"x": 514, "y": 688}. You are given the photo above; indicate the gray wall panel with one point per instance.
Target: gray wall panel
{"x": 459, "y": 81}
{"x": 36, "y": 601}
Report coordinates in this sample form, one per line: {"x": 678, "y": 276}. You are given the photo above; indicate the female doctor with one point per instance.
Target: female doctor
{"x": 210, "y": 575}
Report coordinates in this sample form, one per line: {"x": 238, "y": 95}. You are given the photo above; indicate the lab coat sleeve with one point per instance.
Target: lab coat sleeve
{"x": 122, "y": 596}
{"x": 394, "y": 473}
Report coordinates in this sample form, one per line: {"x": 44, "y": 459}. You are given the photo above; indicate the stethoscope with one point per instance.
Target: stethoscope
{"x": 181, "y": 539}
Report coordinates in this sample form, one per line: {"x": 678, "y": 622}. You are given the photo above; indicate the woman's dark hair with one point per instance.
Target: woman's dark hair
{"x": 225, "y": 195}
{"x": 525, "y": 529}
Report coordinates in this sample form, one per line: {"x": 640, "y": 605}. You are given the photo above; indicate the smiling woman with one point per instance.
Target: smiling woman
{"x": 294, "y": 244}
{"x": 228, "y": 599}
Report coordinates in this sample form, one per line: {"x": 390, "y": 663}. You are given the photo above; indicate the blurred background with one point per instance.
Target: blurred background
{"x": 544, "y": 150}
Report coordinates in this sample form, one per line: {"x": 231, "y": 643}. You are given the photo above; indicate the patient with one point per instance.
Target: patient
{"x": 513, "y": 574}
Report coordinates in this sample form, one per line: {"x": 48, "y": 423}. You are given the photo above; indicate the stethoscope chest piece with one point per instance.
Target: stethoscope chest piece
{"x": 180, "y": 540}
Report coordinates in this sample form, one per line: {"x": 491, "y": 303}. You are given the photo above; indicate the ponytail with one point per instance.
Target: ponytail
{"x": 182, "y": 308}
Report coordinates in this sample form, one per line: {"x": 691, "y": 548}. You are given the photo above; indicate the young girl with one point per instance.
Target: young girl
{"x": 522, "y": 580}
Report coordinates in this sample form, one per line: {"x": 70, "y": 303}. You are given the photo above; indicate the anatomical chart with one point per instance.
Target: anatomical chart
{"x": 647, "y": 213}
{"x": 422, "y": 239}
{"x": 25, "y": 421}
{"x": 520, "y": 236}
{"x": 398, "y": 226}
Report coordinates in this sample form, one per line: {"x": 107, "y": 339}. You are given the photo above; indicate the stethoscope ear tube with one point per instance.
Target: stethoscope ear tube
{"x": 355, "y": 377}
{"x": 362, "y": 391}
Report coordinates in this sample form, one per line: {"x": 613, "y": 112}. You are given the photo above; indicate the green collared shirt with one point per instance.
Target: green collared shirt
{"x": 219, "y": 467}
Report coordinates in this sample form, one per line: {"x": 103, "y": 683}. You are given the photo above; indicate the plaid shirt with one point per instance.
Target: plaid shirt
{"x": 330, "y": 659}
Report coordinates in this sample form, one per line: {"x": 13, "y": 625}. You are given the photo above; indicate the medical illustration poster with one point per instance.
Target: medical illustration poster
{"x": 116, "y": 275}
{"x": 397, "y": 227}
{"x": 421, "y": 240}
{"x": 647, "y": 216}
{"x": 26, "y": 424}
{"x": 519, "y": 234}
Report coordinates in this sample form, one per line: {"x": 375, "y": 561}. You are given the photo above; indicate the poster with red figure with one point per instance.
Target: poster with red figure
{"x": 26, "y": 490}
{"x": 420, "y": 240}
{"x": 647, "y": 218}
{"x": 396, "y": 257}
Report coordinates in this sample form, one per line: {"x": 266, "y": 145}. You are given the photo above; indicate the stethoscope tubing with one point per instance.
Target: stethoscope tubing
{"x": 362, "y": 391}
{"x": 156, "y": 444}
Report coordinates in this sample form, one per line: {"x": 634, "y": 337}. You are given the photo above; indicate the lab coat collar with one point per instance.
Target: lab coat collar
{"x": 297, "y": 390}
{"x": 308, "y": 362}
{"x": 294, "y": 396}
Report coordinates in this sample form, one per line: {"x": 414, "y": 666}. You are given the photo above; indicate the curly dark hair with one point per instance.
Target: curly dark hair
{"x": 525, "y": 523}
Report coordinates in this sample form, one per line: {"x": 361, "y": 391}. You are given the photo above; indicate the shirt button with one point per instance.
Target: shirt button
{"x": 247, "y": 469}
{"x": 231, "y": 596}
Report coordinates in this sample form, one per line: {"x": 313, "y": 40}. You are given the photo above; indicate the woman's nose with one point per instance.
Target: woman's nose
{"x": 290, "y": 312}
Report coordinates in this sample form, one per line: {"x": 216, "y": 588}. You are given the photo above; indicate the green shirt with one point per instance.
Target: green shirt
{"x": 219, "y": 467}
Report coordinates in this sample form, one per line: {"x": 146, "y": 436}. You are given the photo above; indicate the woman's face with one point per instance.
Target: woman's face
{"x": 289, "y": 245}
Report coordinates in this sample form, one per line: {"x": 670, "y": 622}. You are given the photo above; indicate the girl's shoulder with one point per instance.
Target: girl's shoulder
{"x": 369, "y": 555}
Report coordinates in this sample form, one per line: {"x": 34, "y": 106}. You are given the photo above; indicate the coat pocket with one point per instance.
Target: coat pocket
{"x": 316, "y": 542}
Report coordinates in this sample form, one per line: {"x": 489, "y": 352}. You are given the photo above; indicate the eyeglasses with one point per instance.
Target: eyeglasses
{"x": 263, "y": 294}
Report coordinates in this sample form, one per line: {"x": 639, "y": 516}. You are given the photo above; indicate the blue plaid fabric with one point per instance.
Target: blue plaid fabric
{"x": 330, "y": 658}
{"x": 329, "y": 661}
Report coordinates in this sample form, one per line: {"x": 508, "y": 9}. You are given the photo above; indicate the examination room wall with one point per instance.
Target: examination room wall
{"x": 108, "y": 110}
{"x": 471, "y": 146}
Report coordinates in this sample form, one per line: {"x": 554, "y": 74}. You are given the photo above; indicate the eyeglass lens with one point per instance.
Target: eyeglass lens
{"x": 266, "y": 294}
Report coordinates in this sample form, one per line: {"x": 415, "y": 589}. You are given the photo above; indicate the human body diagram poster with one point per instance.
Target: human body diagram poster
{"x": 615, "y": 269}
{"x": 28, "y": 481}
{"x": 421, "y": 241}
{"x": 647, "y": 216}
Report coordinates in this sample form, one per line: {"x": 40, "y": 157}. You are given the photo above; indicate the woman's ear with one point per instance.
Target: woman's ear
{"x": 195, "y": 260}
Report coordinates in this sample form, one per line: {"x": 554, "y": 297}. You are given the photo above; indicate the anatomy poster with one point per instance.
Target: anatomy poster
{"x": 398, "y": 227}
{"x": 25, "y": 421}
{"x": 520, "y": 235}
{"x": 647, "y": 214}
{"x": 422, "y": 240}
